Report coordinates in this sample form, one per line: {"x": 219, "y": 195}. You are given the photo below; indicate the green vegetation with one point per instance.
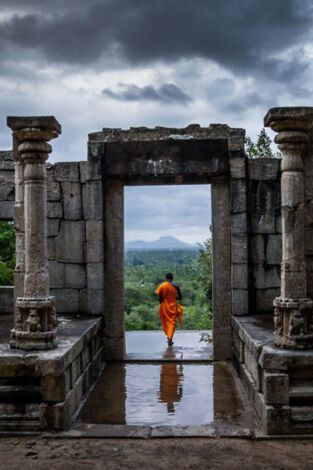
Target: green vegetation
{"x": 7, "y": 253}
{"x": 262, "y": 147}
{"x": 145, "y": 270}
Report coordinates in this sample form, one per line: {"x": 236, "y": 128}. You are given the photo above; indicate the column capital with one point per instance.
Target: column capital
{"x": 35, "y": 124}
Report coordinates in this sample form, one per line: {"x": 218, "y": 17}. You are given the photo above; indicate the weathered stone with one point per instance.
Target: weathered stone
{"x": 53, "y": 187}
{"x": 6, "y": 160}
{"x": 54, "y": 210}
{"x": 239, "y": 276}
{"x": 7, "y": 185}
{"x": 266, "y": 278}
{"x": 94, "y": 252}
{"x": 51, "y": 245}
{"x": 239, "y": 248}
{"x": 6, "y": 210}
{"x": 67, "y": 300}
{"x": 94, "y": 230}
{"x": 83, "y": 172}
{"x": 263, "y": 222}
{"x": 70, "y": 242}
{"x": 238, "y": 167}
{"x": 276, "y": 388}
{"x": 75, "y": 276}
{"x": 265, "y": 298}
{"x": 93, "y": 171}
{"x": 83, "y": 303}
{"x": 274, "y": 249}
{"x": 263, "y": 169}
{"x": 93, "y": 201}
{"x": 257, "y": 249}
{"x": 238, "y": 196}
{"x": 240, "y": 302}
{"x": 6, "y": 300}
{"x": 95, "y": 276}
{"x": 66, "y": 171}
{"x": 239, "y": 223}
{"x": 56, "y": 273}
{"x": 278, "y": 224}
{"x": 53, "y": 227}
{"x": 95, "y": 301}
{"x": 72, "y": 202}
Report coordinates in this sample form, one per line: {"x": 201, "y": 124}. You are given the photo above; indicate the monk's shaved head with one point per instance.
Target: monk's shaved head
{"x": 169, "y": 276}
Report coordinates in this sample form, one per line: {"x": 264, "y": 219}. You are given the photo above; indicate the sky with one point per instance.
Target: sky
{"x": 121, "y": 63}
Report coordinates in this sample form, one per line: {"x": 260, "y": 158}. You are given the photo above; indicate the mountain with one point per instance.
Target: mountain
{"x": 163, "y": 243}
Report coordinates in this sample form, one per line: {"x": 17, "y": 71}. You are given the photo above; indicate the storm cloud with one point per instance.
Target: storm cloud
{"x": 166, "y": 93}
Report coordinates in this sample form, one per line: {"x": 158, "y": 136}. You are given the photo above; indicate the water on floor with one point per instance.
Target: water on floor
{"x": 170, "y": 394}
{"x": 152, "y": 345}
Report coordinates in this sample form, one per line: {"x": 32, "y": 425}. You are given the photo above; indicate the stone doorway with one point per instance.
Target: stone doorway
{"x": 164, "y": 156}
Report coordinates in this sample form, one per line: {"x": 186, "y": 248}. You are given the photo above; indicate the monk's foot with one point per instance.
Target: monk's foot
{"x": 170, "y": 342}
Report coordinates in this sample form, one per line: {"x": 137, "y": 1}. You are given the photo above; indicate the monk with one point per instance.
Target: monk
{"x": 170, "y": 311}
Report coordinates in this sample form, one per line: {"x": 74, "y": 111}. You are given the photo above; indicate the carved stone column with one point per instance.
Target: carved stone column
{"x": 293, "y": 309}
{"x": 35, "y": 321}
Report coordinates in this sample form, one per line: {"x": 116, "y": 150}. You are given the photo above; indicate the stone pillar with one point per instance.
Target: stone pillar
{"x": 35, "y": 316}
{"x": 293, "y": 316}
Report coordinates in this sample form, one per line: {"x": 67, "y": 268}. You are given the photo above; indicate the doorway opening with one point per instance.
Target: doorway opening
{"x": 168, "y": 229}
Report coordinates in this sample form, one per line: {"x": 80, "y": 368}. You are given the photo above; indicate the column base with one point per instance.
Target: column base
{"x": 293, "y": 322}
{"x": 35, "y": 324}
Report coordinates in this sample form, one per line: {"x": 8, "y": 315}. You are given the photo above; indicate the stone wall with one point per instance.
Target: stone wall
{"x": 75, "y": 250}
{"x": 264, "y": 233}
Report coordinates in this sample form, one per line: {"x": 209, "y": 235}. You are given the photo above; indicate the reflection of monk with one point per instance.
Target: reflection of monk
{"x": 169, "y": 309}
{"x": 171, "y": 385}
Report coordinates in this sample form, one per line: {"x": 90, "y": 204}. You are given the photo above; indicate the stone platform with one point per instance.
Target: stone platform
{"x": 41, "y": 390}
{"x": 279, "y": 381}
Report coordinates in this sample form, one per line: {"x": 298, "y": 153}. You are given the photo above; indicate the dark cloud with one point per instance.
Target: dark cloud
{"x": 166, "y": 93}
{"x": 239, "y": 35}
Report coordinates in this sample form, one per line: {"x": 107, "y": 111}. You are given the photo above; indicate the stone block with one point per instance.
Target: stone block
{"x": 67, "y": 300}
{"x": 56, "y": 274}
{"x": 274, "y": 249}
{"x": 75, "y": 276}
{"x": 6, "y": 300}
{"x": 55, "y": 388}
{"x": 266, "y": 278}
{"x": 51, "y": 249}
{"x": 94, "y": 171}
{"x": 114, "y": 349}
{"x": 66, "y": 171}
{"x": 251, "y": 362}
{"x": 263, "y": 169}
{"x": 83, "y": 305}
{"x": 70, "y": 242}
{"x": 257, "y": 249}
{"x": 239, "y": 250}
{"x": 265, "y": 298}
{"x": 53, "y": 226}
{"x": 239, "y": 223}
{"x": 94, "y": 251}
{"x": 83, "y": 172}
{"x": 6, "y": 160}
{"x": 94, "y": 230}
{"x": 72, "y": 201}
{"x": 240, "y": 302}
{"x": 276, "y": 420}
{"x": 263, "y": 222}
{"x": 53, "y": 187}
{"x": 237, "y": 167}
{"x": 267, "y": 197}
{"x": 95, "y": 278}
{"x": 7, "y": 186}
{"x": 54, "y": 210}
{"x": 95, "y": 301}
{"x": 239, "y": 275}
{"x": 6, "y": 210}
{"x": 278, "y": 224}
{"x": 276, "y": 388}
{"x": 93, "y": 201}
{"x": 238, "y": 196}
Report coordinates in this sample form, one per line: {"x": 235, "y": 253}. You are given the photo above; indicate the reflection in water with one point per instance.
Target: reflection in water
{"x": 166, "y": 394}
{"x": 171, "y": 385}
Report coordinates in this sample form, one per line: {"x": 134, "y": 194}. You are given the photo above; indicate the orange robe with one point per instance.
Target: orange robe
{"x": 169, "y": 309}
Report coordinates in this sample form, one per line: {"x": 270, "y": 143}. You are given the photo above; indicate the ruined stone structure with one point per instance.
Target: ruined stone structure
{"x": 262, "y": 222}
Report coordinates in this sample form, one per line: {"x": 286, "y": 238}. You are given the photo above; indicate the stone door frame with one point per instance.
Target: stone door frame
{"x": 145, "y": 163}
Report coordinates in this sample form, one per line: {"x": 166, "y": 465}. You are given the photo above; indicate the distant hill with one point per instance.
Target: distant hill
{"x": 163, "y": 243}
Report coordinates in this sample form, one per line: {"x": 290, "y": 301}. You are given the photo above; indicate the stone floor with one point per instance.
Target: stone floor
{"x": 152, "y": 346}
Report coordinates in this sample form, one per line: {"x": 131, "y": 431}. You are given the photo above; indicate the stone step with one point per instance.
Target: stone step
{"x": 302, "y": 390}
{"x": 19, "y": 425}
{"x": 20, "y": 393}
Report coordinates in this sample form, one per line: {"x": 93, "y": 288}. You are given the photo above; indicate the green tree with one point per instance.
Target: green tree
{"x": 7, "y": 253}
{"x": 262, "y": 147}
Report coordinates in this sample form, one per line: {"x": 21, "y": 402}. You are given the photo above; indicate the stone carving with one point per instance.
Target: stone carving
{"x": 35, "y": 318}
{"x": 293, "y": 310}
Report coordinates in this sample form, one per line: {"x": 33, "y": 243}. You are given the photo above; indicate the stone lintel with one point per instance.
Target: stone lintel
{"x": 302, "y": 113}
{"x": 50, "y": 123}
